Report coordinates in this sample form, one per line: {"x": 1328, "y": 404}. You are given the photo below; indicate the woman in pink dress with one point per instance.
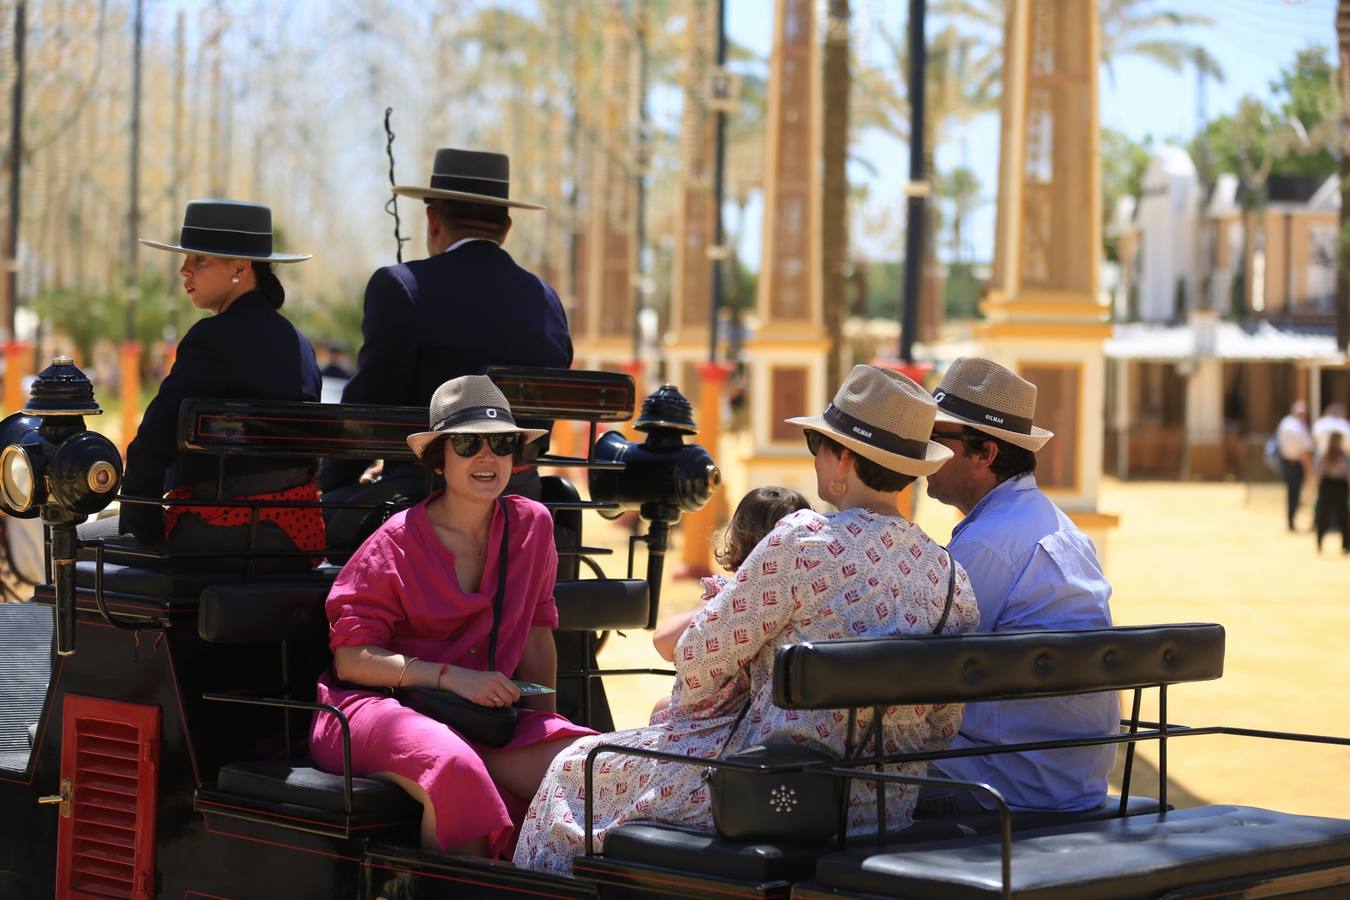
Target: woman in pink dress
{"x": 414, "y": 608}
{"x": 862, "y": 571}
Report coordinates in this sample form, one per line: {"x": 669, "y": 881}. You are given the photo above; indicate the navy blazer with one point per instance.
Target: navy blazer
{"x": 248, "y": 352}
{"x": 431, "y": 320}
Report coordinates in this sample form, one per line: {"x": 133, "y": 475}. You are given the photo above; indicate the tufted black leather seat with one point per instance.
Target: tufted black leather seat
{"x": 684, "y": 849}
{"x": 1137, "y": 856}
{"x": 687, "y": 850}
{"x": 301, "y": 785}
{"x": 145, "y": 582}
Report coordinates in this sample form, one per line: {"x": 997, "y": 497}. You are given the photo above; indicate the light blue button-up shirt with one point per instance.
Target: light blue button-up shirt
{"x": 1033, "y": 569}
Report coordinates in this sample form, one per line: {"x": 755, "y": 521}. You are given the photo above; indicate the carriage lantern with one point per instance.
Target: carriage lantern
{"x": 661, "y": 477}
{"x": 51, "y": 466}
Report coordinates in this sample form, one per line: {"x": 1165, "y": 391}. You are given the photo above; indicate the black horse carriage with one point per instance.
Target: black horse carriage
{"x": 167, "y": 756}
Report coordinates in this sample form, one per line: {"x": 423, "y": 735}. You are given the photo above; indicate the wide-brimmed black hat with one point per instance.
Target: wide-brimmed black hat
{"x": 231, "y": 229}
{"x": 474, "y": 176}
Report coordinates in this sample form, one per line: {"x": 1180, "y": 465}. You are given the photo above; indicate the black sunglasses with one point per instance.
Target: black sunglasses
{"x": 468, "y": 445}
{"x": 813, "y": 441}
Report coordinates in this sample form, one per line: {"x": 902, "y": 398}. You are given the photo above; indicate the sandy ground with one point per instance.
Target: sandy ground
{"x": 1182, "y": 553}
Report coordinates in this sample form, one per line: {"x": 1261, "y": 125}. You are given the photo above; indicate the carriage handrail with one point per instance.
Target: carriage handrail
{"x": 285, "y": 703}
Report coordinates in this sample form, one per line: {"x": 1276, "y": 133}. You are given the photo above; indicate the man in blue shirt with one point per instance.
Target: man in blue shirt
{"x": 1031, "y": 569}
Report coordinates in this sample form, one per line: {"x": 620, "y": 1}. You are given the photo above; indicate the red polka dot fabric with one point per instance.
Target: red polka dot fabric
{"x": 303, "y": 525}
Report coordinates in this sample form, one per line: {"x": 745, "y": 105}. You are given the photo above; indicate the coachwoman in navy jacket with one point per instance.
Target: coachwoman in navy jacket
{"x": 245, "y": 350}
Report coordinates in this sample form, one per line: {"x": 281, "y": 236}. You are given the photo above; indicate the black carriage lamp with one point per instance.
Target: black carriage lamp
{"x": 53, "y": 467}
{"x": 661, "y": 477}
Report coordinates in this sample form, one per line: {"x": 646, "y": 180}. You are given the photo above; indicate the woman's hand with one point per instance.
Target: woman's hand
{"x": 483, "y": 688}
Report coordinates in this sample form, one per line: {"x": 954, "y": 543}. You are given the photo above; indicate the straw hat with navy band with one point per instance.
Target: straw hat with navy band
{"x": 470, "y": 404}
{"x": 471, "y": 176}
{"x": 992, "y": 399}
{"x": 885, "y": 417}
{"x": 230, "y": 229}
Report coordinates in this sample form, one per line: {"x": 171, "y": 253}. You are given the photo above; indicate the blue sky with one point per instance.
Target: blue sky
{"x": 1251, "y": 39}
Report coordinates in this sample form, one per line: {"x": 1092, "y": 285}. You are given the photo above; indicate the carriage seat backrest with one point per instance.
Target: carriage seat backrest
{"x": 865, "y": 672}
{"x": 270, "y": 613}
{"x": 363, "y": 431}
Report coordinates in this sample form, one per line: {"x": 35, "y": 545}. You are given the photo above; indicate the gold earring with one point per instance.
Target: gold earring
{"x": 837, "y": 488}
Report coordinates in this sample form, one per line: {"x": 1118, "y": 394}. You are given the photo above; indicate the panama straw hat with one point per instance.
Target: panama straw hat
{"x": 474, "y": 176}
{"x": 230, "y": 229}
{"x": 990, "y": 398}
{"x": 470, "y": 404}
{"x": 885, "y": 417}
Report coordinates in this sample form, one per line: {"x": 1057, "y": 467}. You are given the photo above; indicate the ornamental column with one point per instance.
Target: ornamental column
{"x": 1045, "y": 317}
{"x": 602, "y": 332}
{"x": 787, "y": 351}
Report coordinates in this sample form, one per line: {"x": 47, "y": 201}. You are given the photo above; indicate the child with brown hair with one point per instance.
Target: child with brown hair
{"x": 755, "y": 516}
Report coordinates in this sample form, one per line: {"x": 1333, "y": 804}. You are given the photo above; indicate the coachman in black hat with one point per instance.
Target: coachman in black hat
{"x": 244, "y": 350}
{"x": 466, "y": 306}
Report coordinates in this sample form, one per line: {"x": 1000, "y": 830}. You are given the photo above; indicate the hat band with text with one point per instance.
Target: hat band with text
{"x": 223, "y": 240}
{"x": 975, "y": 412}
{"x": 877, "y": 437}
{"x": 475, "y": 414}
{"x": 468, "y": 184}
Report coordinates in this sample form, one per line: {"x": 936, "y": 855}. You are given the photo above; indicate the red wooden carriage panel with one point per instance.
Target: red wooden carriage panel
{"x": 110, "y": 772}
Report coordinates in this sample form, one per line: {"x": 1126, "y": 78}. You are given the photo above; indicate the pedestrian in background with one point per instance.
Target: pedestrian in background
{"x": 1332, "y": 509}
{"x": 1332, "y": 421}
{"x": 1295, "y": 444}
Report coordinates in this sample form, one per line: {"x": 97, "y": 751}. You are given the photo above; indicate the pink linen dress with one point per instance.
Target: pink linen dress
{"x": 814, "y": 577}
{"x": 399, "y": 591}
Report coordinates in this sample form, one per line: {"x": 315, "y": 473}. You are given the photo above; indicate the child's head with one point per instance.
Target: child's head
{"x": 755, "y": 516}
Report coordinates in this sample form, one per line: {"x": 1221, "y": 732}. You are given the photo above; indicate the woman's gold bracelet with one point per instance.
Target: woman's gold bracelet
{"x": 411, "y": 660}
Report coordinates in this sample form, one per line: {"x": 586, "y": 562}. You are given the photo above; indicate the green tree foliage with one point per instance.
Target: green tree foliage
{"x": 959, "y": 191}
{"x": 158, "y": 312}
{"x": 1295, "y": 136}
{"x": 1124, "y": 162}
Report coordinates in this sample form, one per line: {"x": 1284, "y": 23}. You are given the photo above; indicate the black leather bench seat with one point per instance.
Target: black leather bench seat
{"x": 294, "y": 784}
{"x": 673, "y": 847}
{"x": 688, "y": 850}
{"x": 1133, "y": 857}
{"x": 147, "y": 582}
{"x": 1026, "y": 820}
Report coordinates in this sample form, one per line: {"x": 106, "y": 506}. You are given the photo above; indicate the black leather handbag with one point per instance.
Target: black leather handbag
{"x": 795, "y": 807}
{"x": 490, "y": 725}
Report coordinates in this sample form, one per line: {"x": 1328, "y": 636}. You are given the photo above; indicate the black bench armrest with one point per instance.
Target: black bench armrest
{"x": 297, "y": 429}
{"x": 602, "y": 604}
{"x": 852, "y": 673}
{"x": 366, "y": 431}
{"x": 575, "y": 394}
{"x": 287, "y": 703}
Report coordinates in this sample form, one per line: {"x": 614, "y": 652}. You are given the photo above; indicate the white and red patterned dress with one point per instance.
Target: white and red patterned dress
{"x": 814, "y": 577}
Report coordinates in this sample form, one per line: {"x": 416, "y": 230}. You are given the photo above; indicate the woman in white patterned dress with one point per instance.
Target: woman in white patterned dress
{"x": 864, "y": 570}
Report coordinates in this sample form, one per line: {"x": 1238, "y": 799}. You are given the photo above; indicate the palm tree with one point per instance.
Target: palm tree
{"x": 961, "y": 189}
{"x": 965, "y": 64}
{"x": 834, "y": 215}
{"x": 1128, "y": 28}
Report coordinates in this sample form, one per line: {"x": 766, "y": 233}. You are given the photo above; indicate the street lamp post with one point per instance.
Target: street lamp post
{"x": 917, "y": 188}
